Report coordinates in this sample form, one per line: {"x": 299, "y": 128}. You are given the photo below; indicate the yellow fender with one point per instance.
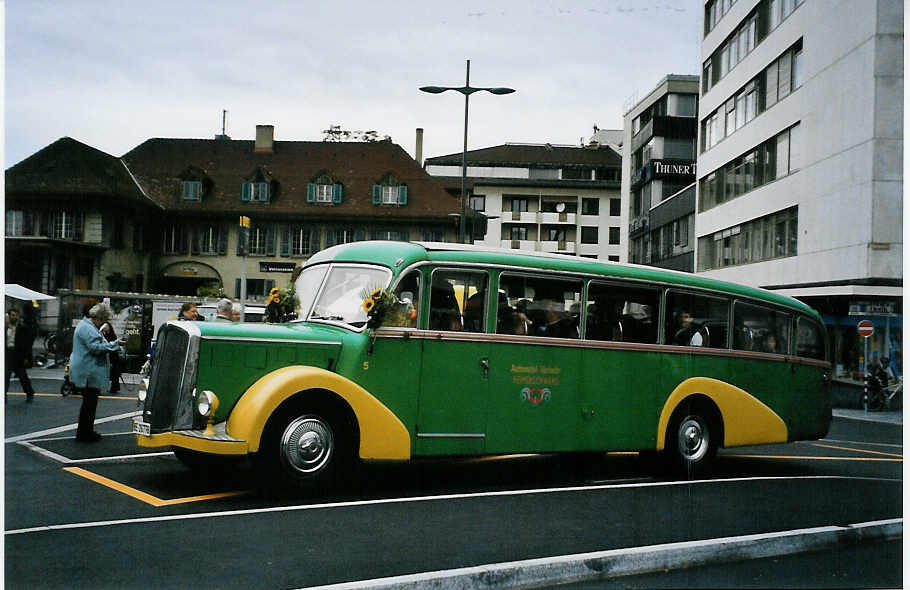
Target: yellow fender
{"x": 747, "y": 421}
{"x": 382, "y": 434}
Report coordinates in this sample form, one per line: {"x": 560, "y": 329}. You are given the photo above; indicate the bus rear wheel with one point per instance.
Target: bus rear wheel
{"x": 692, "y": 441}
{"x": 304, "y": 449}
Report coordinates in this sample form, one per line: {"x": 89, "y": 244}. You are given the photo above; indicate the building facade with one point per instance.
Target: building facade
{"x": 800, "y": 180}
{"x": 542, "y": 198}
{"x": 164, "y": 217}
{"x": 659, "y": 173}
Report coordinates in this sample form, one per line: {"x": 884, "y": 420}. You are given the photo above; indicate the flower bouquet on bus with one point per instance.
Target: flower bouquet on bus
{"x": 383, "y": 308}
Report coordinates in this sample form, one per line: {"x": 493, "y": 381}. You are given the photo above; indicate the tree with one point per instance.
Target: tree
{"x": 336, "y": 133}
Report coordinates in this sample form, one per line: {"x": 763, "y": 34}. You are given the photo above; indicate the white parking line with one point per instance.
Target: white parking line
{"x": 68, "y": 427}
{"x": 67, "y": 461}
{"x": 416, "y": 499}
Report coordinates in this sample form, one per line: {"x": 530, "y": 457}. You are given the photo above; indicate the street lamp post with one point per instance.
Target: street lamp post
{"x": 467, "y": 90}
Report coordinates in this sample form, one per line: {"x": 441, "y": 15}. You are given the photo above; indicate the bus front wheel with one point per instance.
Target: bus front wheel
{"x": 692, "y": 440}
{"x": 304, "y": 449}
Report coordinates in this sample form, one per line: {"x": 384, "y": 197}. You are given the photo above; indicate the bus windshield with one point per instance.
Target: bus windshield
{"x": 345, "y": 288}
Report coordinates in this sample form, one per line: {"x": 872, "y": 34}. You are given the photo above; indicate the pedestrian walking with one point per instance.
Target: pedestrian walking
{"x": 90, "y": 367}
{"x": 19, "y": 338}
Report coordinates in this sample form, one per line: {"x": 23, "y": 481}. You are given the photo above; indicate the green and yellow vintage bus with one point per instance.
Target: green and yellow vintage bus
{"x": 406, "y": 350}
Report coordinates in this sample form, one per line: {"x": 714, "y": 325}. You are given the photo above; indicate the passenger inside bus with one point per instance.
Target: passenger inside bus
{"x": 689, "y": 333}
{"x": 444, "y": 311}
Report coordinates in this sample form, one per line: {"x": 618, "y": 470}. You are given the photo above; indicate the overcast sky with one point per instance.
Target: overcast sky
{"x": 113, "y": 74}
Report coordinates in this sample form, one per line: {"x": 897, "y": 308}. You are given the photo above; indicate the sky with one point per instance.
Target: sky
{"x": 112, "y": 74}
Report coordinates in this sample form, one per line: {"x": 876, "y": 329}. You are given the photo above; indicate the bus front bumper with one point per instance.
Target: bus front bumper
{"x": 217, "y": 443}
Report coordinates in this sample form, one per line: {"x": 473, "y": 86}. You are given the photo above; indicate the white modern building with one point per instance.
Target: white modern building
{"x": 800, "y": 167}
{"x": 541, "y": 197}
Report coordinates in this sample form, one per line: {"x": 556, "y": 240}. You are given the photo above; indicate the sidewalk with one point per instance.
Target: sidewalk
{"x": 884, "y": 416}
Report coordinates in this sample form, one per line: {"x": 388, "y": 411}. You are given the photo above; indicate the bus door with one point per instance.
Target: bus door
{"x": 454, "y": 383}
{"x": 623, "y": 376}
{"x": 535, "y": 365}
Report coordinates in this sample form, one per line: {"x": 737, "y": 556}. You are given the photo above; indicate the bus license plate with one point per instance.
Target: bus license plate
{"x": 140, "y": 427}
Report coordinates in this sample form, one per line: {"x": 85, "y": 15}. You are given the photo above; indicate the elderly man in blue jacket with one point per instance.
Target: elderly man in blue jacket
{"x": 90, "y": 367}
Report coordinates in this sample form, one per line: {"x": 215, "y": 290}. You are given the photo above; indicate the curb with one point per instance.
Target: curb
{"x": 635, "y": 560}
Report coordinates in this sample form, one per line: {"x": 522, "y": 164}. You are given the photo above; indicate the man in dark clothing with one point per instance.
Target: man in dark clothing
{"x": 19, "y": 338}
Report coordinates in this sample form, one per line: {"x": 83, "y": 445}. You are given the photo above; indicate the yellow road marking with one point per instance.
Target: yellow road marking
{"x": 140, "y": 495}
{"x": 814, "y": 458}
{"x": 858, "y": 450}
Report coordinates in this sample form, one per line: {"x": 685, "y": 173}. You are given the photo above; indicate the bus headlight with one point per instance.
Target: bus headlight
{"x": 207, "y": 403}
{"x": 143, "y": 389}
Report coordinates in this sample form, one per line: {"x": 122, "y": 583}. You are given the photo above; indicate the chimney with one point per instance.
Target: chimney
{"x": 418, "y": 151}
{"x": 265, "y": 139}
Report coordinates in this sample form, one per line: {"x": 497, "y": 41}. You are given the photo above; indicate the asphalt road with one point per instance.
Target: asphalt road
{"x": 110, "y": 515}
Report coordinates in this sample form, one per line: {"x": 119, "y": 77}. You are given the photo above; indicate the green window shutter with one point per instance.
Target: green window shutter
{"x": 330, "y": 237}
{"x": 237, "y": 288}
{"x": 336, "y": 193}
{"x": 377, "y": 194}
{"x": 222, "y": 240}
{"x": 270, "y": 241}
{"x": 286, "y": 242}
{"x": 402, "y": 195}
{"x": 311, "y": 193}
{"x": 245, "y": 191}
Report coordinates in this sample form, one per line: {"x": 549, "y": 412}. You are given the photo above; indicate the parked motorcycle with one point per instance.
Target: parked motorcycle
{"x": 875, "y": 389}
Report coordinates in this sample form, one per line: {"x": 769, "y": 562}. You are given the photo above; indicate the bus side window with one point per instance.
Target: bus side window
{"x": 539, "y": 306}
{"x": 408, "y": 294}
{"x": 458, "y": 301}
{"x": 809, "y": 341}
{"x": 622, "y": 313}
{"x": 760, "y": 329}
{"x": 696, "y": 320}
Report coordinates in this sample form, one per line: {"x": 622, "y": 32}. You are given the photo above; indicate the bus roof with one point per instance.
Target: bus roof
{"x": 399, "y": 255}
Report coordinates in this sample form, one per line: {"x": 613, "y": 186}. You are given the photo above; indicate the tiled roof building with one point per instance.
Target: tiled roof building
{"x": 163, "y": 218}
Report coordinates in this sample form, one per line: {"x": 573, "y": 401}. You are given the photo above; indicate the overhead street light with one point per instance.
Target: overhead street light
{"x": 467, "y": 90}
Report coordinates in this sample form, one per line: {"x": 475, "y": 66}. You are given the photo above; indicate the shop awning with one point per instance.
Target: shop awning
{"x": 20, "y": 292}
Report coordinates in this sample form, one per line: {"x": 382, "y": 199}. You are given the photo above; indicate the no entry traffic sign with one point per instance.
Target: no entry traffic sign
{"x": 865, "y": 328}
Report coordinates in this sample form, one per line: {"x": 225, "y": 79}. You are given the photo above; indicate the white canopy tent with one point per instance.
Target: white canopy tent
{"x": 19, "y": 292}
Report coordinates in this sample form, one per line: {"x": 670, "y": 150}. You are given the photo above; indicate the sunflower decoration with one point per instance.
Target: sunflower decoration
{"x": 384, "y": 309}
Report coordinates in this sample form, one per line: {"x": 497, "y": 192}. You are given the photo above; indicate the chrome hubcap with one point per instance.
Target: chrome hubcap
{"x": 693, "y": 439}
{"x": 307, "y": 444}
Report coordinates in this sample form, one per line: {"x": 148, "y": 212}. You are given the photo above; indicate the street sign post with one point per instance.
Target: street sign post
{"x": 865, "y": 328}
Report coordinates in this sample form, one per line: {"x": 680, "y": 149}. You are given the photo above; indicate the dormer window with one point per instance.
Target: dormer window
{"x": 191, "y": 190}
{"x": 324, "y": 190}
{"x": 256, "y": 191}
{"x": 390, "y": 191}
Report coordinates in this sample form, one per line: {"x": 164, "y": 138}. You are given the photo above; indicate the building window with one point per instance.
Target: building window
{"x": 519, "y": 205}
{"x": 615, "y": 205}
{"x": 65, "y": 223}
{"x": 779, "y": 156}
{"x": 478, "y": 202}
{"x": 390, "y": 195}
{"x": 324, "y": 193}
{"x": 556, "y": 234}
{"x": 433, "y": 235}
{"x": 210, "y": 239}
{"x": 390, "y": 192}
{"x": 175, "y": 239}
{"x": 765, "y": 238}
{"x": 191, "y": 190}
{"x": 590, "y": 206}
{"x": 256, "y": 191}
{"x": 262, "y": 240}
{"x": 613, "y": 258}
{"x": 518, "y": 232}
{"x": 589, "y": 235}
{"x": 15, "y": 223}
{"x": 614, "y": 236}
